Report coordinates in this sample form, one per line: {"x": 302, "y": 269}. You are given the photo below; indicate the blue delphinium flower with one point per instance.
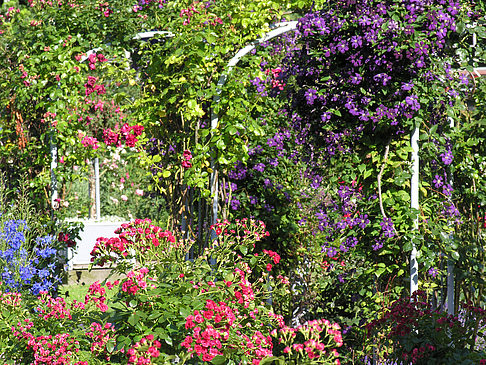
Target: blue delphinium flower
{"x": 20, "y": 271}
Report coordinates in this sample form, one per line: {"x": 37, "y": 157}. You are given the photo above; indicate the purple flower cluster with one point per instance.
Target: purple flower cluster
{"x": 338, "y": 219}
{"x": 388, "y": 230}
{"x": 357, "y": 68}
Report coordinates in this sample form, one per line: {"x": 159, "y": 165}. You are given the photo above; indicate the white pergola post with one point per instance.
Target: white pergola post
{"x": 414, "y": 204}
{"x": 54, "y": 187}
{"x": 97, "y": 187}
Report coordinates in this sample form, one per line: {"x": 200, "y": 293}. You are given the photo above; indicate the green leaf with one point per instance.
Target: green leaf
{"x": 243, "y": 249}
{"x": 218, "y": 360}
{"x": 184, "y": 312}
{"x": 229, "y": 277}
{"x": 232, "y": 130}
{"x": 166, "y": 173}
{"x": 379, "y": 271}
{"x": 133, "y": 319}
{"x": 272, "y": 360}
{"x": 168, "y": 340}
{"x": 110, "y": 346}
{"x": 220, "y": 144}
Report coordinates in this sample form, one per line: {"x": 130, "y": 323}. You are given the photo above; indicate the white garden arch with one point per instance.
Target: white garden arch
{"x": 277, "y": 29}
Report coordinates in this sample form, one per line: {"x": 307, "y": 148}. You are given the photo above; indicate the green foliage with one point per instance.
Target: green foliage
{"x": 411, "y": 330}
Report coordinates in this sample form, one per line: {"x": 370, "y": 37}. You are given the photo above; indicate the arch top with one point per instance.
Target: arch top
{"x": 278, "y": 29}
{"x": 151, "y": 34}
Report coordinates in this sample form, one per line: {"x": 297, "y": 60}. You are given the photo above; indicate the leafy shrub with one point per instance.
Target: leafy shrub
{"x": 410, "y": 330}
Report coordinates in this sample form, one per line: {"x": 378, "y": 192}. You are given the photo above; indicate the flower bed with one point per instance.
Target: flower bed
{"x": 168, "y": 309}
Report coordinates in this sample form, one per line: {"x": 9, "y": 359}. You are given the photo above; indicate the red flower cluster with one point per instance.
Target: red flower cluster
{"x": 139, "y": 234}
{"x": 94, "y": 58}
{"x": 143, "y": 351}
{"x": 96, "y": 294}
{"x": 217, "y": 326}
{"x": 418, "y": 353}
{"x": 101, "y": 335}
{"x": 126, "y": 134}
{"x": 66, "y": 239}
{"x": 186, "y": 159}
{"x": 275, "y": 256}
{"x": 407, "y": 316}
{"x": 136, "y": 280}
{"x": 91, "y": 87}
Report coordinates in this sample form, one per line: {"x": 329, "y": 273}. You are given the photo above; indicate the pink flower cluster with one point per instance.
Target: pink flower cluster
{"x": 244, "y": 229}
{"x": 197, "y": 8}
{"x": 57, "y": 308}
{"x": 96, "y": 294}
{"x": 275, "y": 75}
{"x": 216, "y": 327}
{"x": 186, "y": 159}
{"x": 49, "y": 116}
{"x": 94, "y": 58}
{"x": 92, "y": 87}
{"x": 90, "y": 141}
{"x": 136, "y": 280}
{"x": 11, "y": 299}
{"x": 144, "y": 351}
{"x": 189, "y": 13}
{"x": 53, "y": 307}
{"x": 49, "y": 350}
{"x": 321, "y": 338}
{"x": 104, "y": 8}
{"x": 126, "y": 134}
{"x": 139, "y": 234}
{"x": 58, "y": 3}
{"x": 244, "y": 294}
{"x": 101, "y": 335}
{"x": 11, "y": 11}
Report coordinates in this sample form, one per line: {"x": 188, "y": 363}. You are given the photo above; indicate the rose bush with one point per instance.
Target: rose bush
{"x": 215, "y": 308}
